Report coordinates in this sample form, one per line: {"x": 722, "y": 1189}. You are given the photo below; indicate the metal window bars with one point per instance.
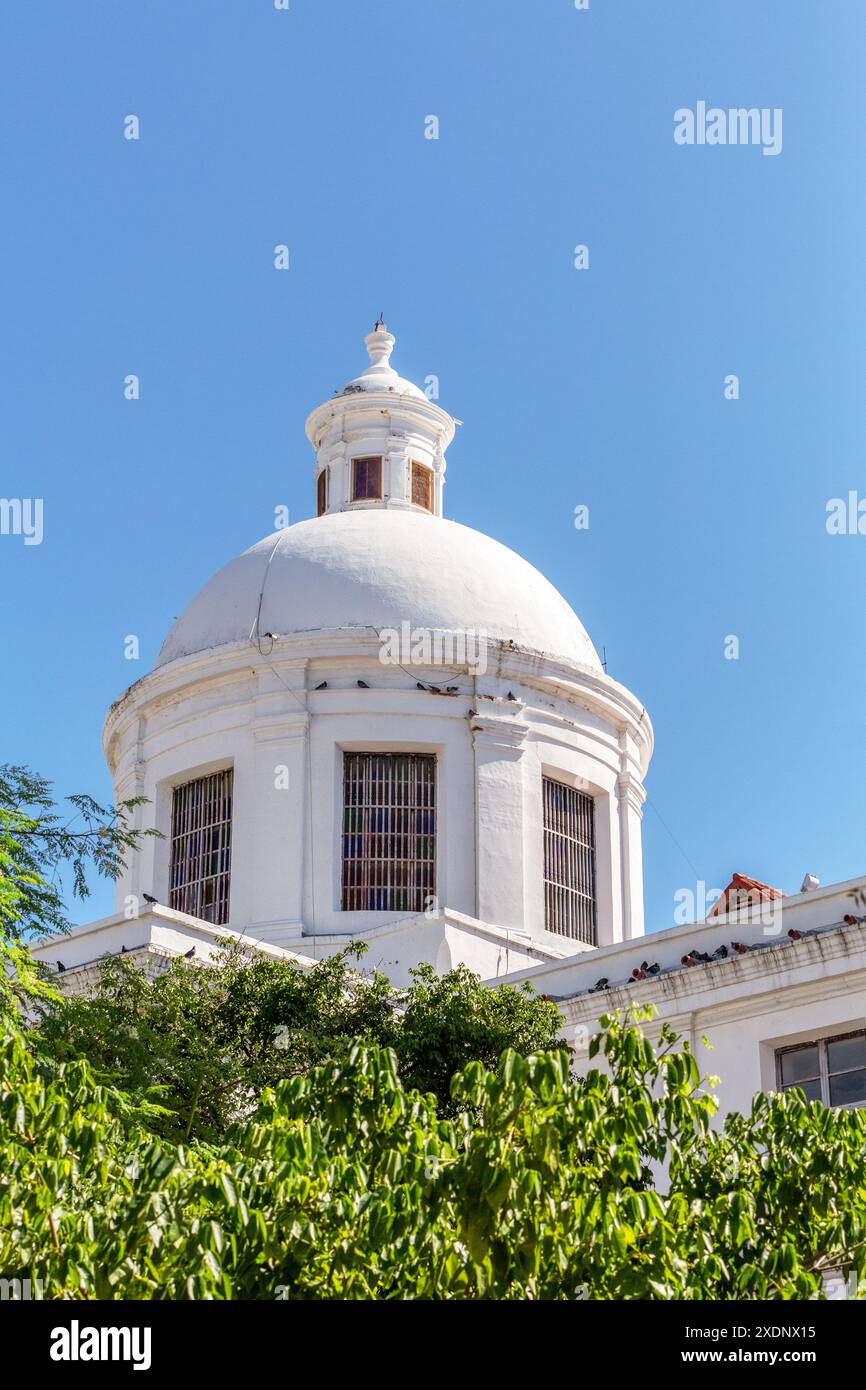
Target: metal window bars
{"x": 389, "y": 832}
{"x": 569, "y": 862}
{"x": 201, "y": 842}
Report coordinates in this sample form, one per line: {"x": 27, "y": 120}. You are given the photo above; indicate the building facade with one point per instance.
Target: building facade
{"x": 380, "y": 725}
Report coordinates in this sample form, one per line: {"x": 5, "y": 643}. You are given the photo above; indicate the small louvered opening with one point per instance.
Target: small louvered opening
{"x": 569, "y": 862}
{"x": 389, "y": 832}
{"x": 366, "y": 479}
{"x": 422, "y": 486}
{"x": 201, "y": 843}
{"x": 322, "y": 492}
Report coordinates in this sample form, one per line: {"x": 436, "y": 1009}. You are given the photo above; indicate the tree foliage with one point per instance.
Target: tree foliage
{"x": 212, "y": 1037}
{"x": 342, "y": 1180}
{"x": 37, "y": 844}
{"x": 346, "y": 1183}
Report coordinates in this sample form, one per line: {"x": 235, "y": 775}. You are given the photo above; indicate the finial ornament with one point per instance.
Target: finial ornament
{"x": 380, "y": 344}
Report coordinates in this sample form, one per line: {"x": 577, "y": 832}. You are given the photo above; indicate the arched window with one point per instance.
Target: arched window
{"x": 569, "y": 861}
{"x": 322, "y": 492}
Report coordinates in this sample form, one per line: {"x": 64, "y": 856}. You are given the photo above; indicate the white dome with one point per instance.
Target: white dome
{"x": 374, "y": 569}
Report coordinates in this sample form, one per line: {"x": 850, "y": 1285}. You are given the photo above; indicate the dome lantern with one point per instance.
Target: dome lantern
{"x": 380, "y": 442}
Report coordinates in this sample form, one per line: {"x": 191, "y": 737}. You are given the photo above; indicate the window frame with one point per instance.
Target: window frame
{"x": 323, "y": 484}
{"x": 179, "y": 893}
{"x": 366, "y": 459}
{"x": 824, "y": 1074}
{"x": 381, "y": 897}
{"x": 427, "y": 471}
{"x": 571, "y": 896}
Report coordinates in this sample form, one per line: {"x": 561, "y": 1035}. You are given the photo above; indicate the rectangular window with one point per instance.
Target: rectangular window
{"x": 389, "y": 832}
{"x": 366, "y": 479}
{"x": 569, "y": 861}
{"x": 201, "y": 845}
{"x": 832, "y": 1070}
{"x": 322, "y": 492}
{"x": 422, "y": 486}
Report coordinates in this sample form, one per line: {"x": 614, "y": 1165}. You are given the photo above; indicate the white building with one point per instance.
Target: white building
{"x": 378, "y": 724}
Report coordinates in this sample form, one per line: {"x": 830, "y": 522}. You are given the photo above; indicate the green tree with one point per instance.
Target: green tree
{"x": 37, "y": 844}
{"x": 347, "y": 1184}
{"x": 213, "y": 1036}
{"x": 207, "y": 1039}
{"x": 447, "y": 1021}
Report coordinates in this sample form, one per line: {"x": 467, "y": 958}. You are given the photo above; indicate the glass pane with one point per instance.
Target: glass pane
{"x": 799, "y": 1065}
{"x": 848, "y": 1087}
{"x": 812, "y": 1089}
{"x": 845, "y": 1053}
{"x": 367, "y": 479}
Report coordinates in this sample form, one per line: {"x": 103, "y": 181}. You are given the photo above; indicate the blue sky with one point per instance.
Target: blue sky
{"x": 601, "y": 387}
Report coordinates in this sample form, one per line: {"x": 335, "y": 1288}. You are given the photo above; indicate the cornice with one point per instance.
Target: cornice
{"x": 237, "y": 662}
{"x": 489, "y": 731}
{"x": 700, "y": 1017}
{"x": 280, "y": 729}
{"x": 378, "y": 403}
{"x": 771, "y": 967}
{"x": 630, "y": 790}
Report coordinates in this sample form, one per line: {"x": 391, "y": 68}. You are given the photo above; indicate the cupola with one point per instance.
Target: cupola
{"x": 380, "y": 442}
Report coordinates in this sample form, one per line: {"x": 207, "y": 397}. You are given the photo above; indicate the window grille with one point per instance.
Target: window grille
{"x": 422, "y": 486}
{"x": 569, "y": 862}
{"x": 832, "y": 1070}
{"x": 322, "y": 492}
{"x": 201, "y": 838}
{"x": 389, "y": 832}
{"x": 366, "y": 479}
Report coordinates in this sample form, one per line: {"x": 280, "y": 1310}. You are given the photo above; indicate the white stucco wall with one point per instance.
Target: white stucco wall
{"x": 154, "y": 938}
{"x": 528, "y": 716}
{"x": 158, "y": 935}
